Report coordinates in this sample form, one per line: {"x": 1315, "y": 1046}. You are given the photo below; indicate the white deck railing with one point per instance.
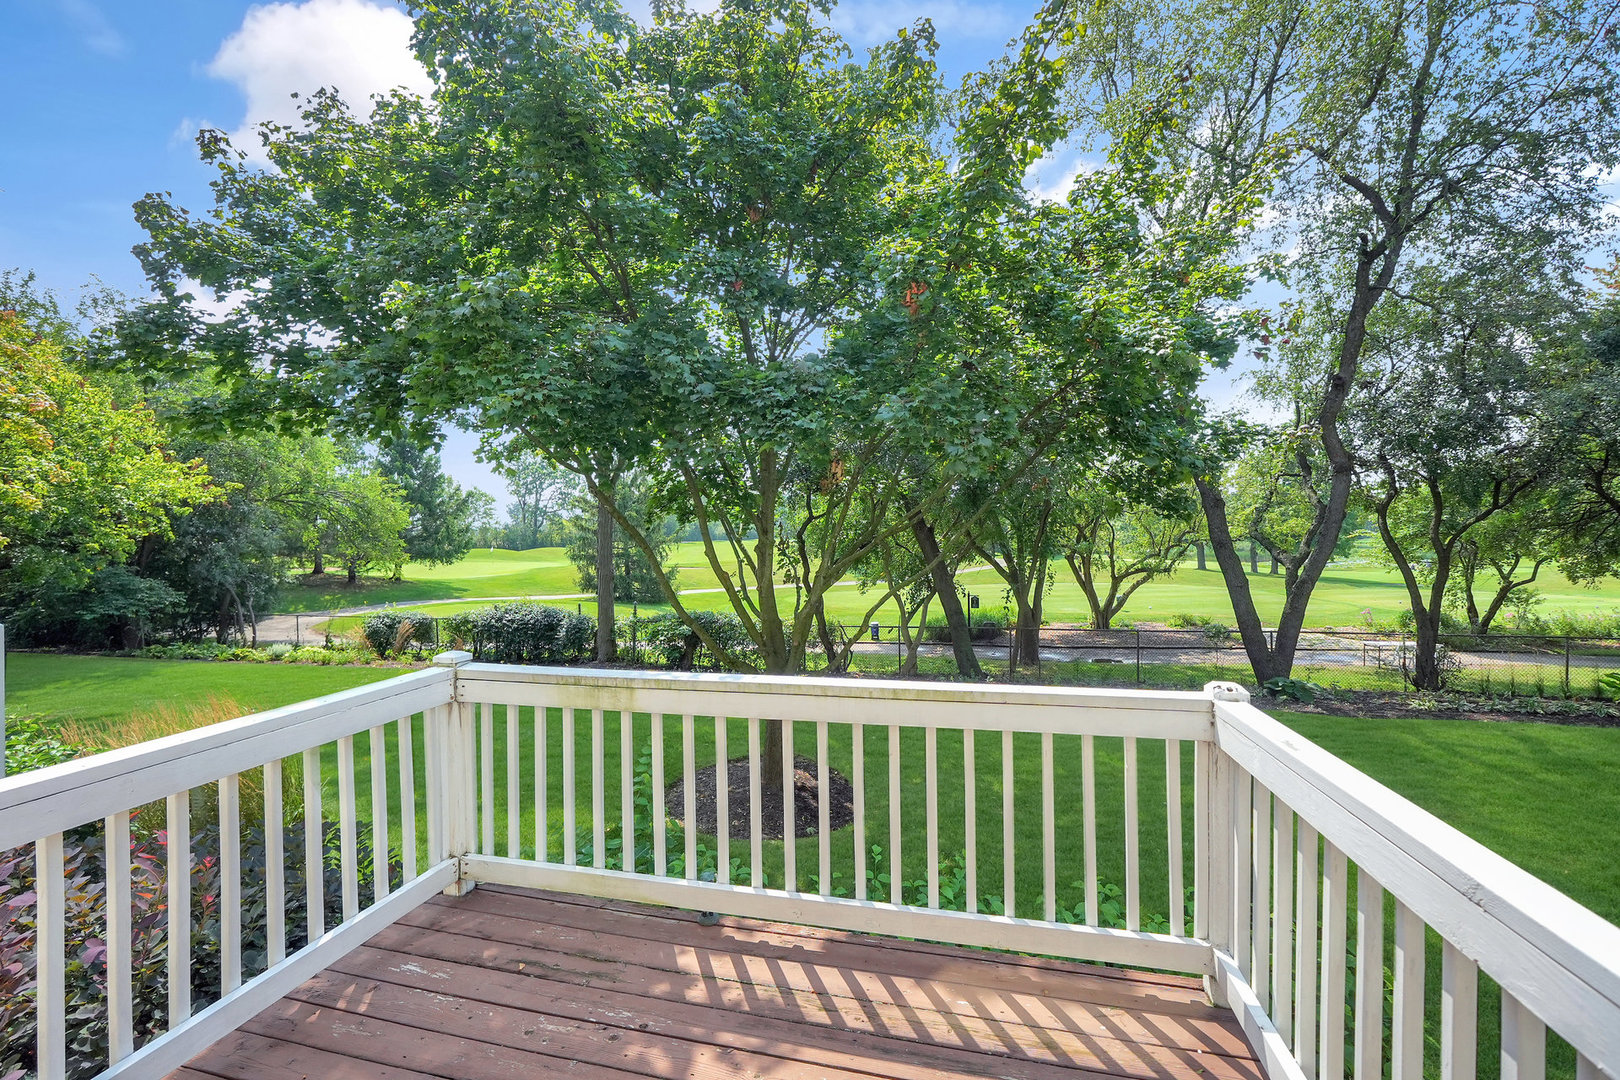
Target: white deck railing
{"x": 554, "y": 778}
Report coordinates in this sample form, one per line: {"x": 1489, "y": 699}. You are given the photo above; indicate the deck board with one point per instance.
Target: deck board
{"x": 510, "y": 982}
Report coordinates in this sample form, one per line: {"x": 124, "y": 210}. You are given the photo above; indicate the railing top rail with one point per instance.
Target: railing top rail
{"x": 49, "y": 800}
{"x": 1143, "y": 713}
{"x": 1560, "y": 959}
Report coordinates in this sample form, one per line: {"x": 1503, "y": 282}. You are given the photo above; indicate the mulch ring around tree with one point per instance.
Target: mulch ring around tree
{"x": 806, "y": 810}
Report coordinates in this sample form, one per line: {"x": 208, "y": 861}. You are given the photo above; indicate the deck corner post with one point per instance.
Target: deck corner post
{"x": 459, "y": 767}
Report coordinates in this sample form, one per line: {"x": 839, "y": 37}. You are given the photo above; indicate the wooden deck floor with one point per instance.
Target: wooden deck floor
{"x": 515, "y": 983}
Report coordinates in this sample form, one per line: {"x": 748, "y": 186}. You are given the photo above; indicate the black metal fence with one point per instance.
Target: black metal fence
{"x": 1505, "y": 665}
{"x": 1509, "y": 665}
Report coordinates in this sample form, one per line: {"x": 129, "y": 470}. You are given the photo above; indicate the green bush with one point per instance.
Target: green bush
{"x": 985, "y": 624}
{"x": 30, "y": 746}
{"x": 522, "y": 633}
{"x": 279, "y": 651}
{"x": 184, "y": 650}
{"x": 86, "y": 971}
{"x": 671, "y": 643}
{"x": 326, "y": 655}
{"x": 390, "y": 633}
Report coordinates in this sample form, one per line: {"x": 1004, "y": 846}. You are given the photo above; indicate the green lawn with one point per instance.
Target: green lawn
{"x": 106, "y": 690}
{"x": 1346, "y": 592}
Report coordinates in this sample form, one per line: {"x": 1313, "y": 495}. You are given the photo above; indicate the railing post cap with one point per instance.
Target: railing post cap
{"x": 1226, "y": 691}
{"x": 453, "y": 658}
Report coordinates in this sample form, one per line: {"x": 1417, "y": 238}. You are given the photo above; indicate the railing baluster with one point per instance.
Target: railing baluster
{"x": 756, "y": 813}
{"x": 689, "y": 792}
{"x": 722, "y": 801}
{"x": 1202, "y": 823}
{"x": 570, "y": 790}
{"x": 275, "y": 866}
{"x": 1172, "y": 817}
{"x": 660, "y": 813}
{"x": 1282, "y": 923}
{"x": 599, "y": 793}
{"x": 348, "y": 854}
{"x": 1369, "y": 1035}
{"x": 895, "y": 875}
{"x": 1048, "y": 833}
{"x": 1242, "y": 821}
{"x": 230, "y": 883}
{"x": 970, "y": 819}
{"x": 542, "y": 750}
{"x": 1133, "y": 874}
{"x": 1260, "y": 913}
{"x": 1459, "y": 1014}
{"x": 1088, "y": 811}
{"x": 514, "y": 774}
{"x": 178, "y": 855}
{"x": 857, "y": 747}
{"x": 486, "y": 778}
{"x": 405, "y": 740}
{"x": 379, "y": 814}
{"x": 790, "y": 819}
{"x": 1524, "y": 1042}
{"x": 931, "y": 808}
{"x": 314, "y": 841}
{"x": 120, "y": 1015}
{"x": 1335, "y": 915}
{"x": 627, "y": 790}
{"x": 1406, "y": 1046}
{"x": 1009, "y": 832}
{"x": 435, "y": 723}
{"x": 1305, "y": 939}
{"x": 50, "y": 962}
{"x": 824, "y": 801}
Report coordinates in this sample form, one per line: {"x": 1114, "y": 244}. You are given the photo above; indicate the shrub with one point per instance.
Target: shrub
{"x": 279, "y": 651}
{"x": 184, "y": 650}
{"x": 390, "y": 633}
{"x": 1183, "y": 621}
{"x": 984, "y": 624}
{"x": 675, "y": 645}
{"x": 326, "y": 654}
{"x": 30, "y": 746}
{"x": 86, "y": 971}
{"x": 523, "y": 633}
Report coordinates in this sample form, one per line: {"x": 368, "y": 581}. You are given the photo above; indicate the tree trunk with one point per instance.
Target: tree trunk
{"x": 944, "y": 578}
{"x": 1275, "y": 659}
{"x": 354, "y": 575}
{"x": 1263, "y": 659}
{"x": 1426, "y": 656}
{"x": 607, "y": 644}
{"x": 320, "y": 563}
{"x": 1202, "y": 565}
{"x": 1273, "y": 569}
{"x": 1254, "y": 558}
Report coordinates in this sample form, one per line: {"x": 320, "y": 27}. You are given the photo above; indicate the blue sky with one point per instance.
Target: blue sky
{"x": 105, "y": 96}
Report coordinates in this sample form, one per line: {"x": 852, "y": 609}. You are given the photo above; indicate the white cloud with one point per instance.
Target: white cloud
{"x": 1052, "y": 176}
{"x": 359, "y": 47}
{"x": 95, "y": 31}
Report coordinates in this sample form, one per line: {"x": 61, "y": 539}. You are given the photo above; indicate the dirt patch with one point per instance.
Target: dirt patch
{"x": 806, "y": 810}
{"x": 1374, "y": 705}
